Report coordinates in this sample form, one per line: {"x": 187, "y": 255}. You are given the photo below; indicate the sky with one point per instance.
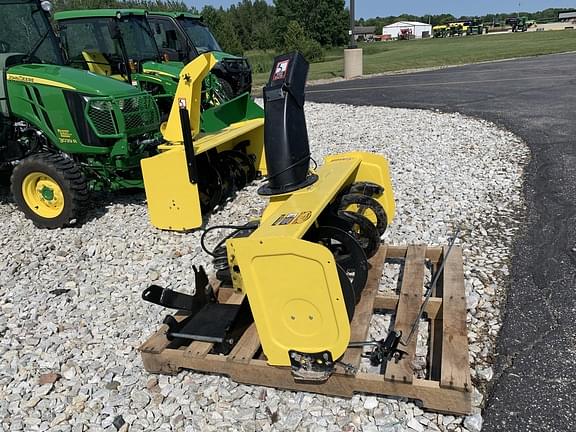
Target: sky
{"x": 373, "y": 8}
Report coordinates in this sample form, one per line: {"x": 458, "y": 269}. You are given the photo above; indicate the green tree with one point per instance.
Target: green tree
{"x": 221, "y": 25}
{"x": 325, "y": 21}
{"x": 296, "y": 39}
{"x": 252, "y": 21}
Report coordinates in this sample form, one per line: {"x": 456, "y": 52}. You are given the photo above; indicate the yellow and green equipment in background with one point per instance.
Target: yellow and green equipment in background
{"x": 121, "y": 44}
{"x": 197, "y": 168}
{"x": 65, "y": 132}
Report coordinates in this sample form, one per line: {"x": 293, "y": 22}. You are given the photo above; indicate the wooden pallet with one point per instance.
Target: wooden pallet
{"x": 447, "y": 386}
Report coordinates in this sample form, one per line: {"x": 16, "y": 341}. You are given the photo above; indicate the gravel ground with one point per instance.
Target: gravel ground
{"x": 72, "y": 317}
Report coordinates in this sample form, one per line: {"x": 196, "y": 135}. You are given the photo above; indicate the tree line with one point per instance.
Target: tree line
{"x": 309, "y": 26}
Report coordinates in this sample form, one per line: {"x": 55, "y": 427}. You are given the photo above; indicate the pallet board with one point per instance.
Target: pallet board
{"x": 446, "y": 388}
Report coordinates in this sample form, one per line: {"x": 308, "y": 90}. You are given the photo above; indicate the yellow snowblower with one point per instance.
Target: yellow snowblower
{"x": 196, "y": 170}
{"x": 304, "y": 264}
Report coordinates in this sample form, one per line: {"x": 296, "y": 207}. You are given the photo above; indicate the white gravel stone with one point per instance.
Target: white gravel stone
{"x": 415, "y": 425}
{"x": 448, "y": 171}
{"x": 473, "y": 423}
{"x": 370, "y": 403}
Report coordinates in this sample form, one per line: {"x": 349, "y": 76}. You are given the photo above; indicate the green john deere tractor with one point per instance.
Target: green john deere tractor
{"x": 518, "y": 24}
{"x": 64, "y": 131}
{"x": 182, "y": 36}
{"x": 119, "y": 43}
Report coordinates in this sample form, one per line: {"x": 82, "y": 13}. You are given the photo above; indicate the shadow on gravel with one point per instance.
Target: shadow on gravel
{"x": 5, "y": 187}
{"x": 99, "y": 202}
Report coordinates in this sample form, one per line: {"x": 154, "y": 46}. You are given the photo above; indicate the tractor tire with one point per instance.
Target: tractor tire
{"x": 226, "y": 92}
{"x": 50, "y": 189}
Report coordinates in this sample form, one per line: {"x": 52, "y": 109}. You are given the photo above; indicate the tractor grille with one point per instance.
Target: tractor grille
{"x": 140, "y": 115}
{"x": 101, "y": 113}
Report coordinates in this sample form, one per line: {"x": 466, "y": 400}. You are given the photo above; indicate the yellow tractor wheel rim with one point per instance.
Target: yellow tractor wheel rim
{"x": 43, "y": 195}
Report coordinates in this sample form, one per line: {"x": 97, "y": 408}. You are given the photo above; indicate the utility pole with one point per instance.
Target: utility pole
{"x": 352, "y": 55}
{"x": 352, "y": 43}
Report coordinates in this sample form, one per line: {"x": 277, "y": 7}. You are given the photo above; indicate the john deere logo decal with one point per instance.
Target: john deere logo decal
{"x": 23, "y": 78}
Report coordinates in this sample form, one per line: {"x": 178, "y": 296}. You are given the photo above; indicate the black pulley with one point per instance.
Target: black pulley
{"x": 363, "y": 231}
{"x": 366, "y": 206}
{"x": 347, "y": 253}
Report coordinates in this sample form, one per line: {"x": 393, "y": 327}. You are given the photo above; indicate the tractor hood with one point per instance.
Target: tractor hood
{"x": 220, "y": 55}
{"x": 169, "y": 69}
{"x": 70, "y": 79}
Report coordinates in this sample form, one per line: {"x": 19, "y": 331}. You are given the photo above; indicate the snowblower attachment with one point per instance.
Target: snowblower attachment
{"x": 304, "y": 266}
{"x": 198, "y": 169}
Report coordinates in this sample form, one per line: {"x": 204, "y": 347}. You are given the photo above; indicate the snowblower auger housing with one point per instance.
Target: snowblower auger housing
{"x": 293, "y": 285}
{"x": 295, "y": 267}
{"x": 303, "y": 267}
{"x": 196, "y": 170}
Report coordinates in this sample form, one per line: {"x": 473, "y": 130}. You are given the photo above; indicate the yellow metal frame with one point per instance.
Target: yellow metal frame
{"x": 188, "y": 95}
{"x": 285, "y": 276}
{"x": 294, "y": 295}
{"x": 173, "y": 202}
{"x": 97, "y": 63}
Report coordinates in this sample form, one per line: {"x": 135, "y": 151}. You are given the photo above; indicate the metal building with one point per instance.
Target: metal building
{"x": 417, "y": 29}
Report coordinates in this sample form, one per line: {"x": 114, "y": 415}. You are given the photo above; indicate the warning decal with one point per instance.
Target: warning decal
{"x": 280, "y": 70}
{"x": 293, "y": 218}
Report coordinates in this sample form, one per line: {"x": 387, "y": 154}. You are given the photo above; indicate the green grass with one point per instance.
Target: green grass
{"x": 401, "y": 55}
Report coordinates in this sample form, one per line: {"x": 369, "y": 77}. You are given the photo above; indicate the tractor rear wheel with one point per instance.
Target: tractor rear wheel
{"x": 226, "y": 91}
{"x": 50, "y": 189}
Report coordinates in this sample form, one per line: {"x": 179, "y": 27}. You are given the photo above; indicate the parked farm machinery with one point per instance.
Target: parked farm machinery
{"x": 518, "y": 24}
{"x": 182, "y": 36}
{"x": 461, "y": 28}
{"x": 405, "y": 34}
{"x": 120, "y": 43}
{"x": 294, "y": 292}
{"x": 65, "y": 132}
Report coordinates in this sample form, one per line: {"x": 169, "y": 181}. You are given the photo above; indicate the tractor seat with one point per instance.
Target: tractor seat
{"x": 99, "y": 64}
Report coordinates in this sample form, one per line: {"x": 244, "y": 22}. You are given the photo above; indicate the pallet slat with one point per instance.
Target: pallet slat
{"x": 390, "y": 302}
{"x": 407, "y": 312}
{"x": 447, "y": 388}
{"x": 158, "y": 341}
{"x": 455, "y": 370}
{"x": 246, "y": 347}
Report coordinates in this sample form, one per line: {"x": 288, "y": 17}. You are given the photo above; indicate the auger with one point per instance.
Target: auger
{"x": 303, "y": 265}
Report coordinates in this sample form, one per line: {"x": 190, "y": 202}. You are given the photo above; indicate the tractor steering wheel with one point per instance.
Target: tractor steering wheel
{"x": 4, "y": 46}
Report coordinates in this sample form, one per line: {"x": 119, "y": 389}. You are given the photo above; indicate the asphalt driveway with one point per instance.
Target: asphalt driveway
{"x": 535, "y": 384}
